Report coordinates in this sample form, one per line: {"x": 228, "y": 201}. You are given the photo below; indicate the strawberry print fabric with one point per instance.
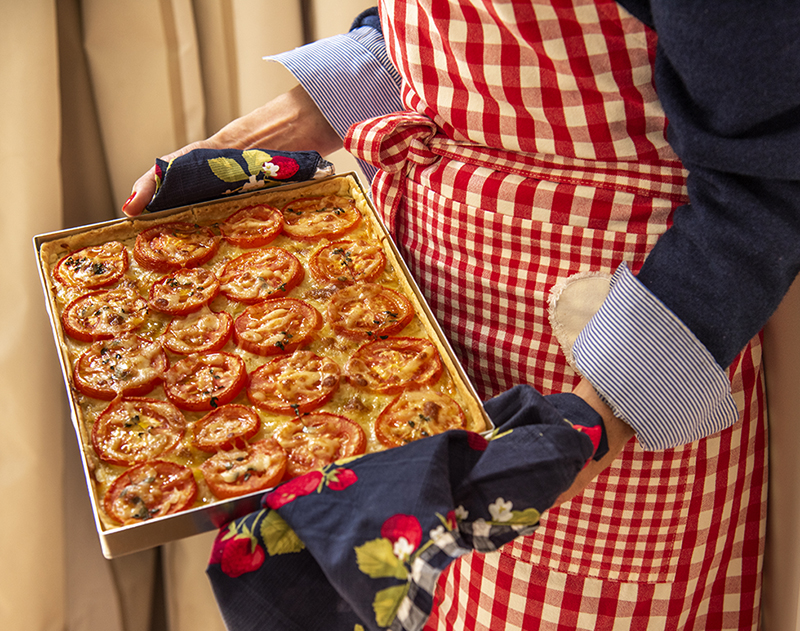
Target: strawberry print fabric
{"x": 204, "y": 174}
{"x": 362, "y": 543}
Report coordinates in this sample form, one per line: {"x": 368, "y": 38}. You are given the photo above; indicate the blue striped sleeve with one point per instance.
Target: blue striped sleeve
{"x": 349, "y": 77}
{"x": 651, "y": 369}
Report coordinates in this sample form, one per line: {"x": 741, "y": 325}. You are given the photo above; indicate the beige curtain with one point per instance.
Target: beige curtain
{"x": 92, "y": 91}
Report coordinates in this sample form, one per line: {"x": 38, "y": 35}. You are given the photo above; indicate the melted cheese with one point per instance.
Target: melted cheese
{"x": 270, "y": 326}
{"x": 239, "y": 464}
{"x": 122, "y": 363}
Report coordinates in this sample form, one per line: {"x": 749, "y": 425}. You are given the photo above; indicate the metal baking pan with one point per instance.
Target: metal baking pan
{"x": 211, "y": 514}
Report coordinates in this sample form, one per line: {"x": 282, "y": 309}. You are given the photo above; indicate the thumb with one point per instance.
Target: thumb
{"x": 142, "y": 192}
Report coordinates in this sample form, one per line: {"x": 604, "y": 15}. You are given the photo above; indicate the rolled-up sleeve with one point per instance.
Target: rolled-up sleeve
{"x": 350, "y": 78}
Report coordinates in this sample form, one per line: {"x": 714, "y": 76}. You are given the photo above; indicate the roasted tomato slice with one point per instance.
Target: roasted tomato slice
{"x": 346, "y": 262}
{"x": 151, "y": 489}
{"x": 135, "y": 429}
{"x": 202, "y": 382}
{"x": 276, "y": 326}
{"x": 315, "y": 440}
{"x": 253, "y": 226}
{"x": 394, "y": 364}
{"x": 252, "y": 468}
{"x": 104, "y": 314}
{"x": 316, "y": 217}
{"x": 258, "y": 275}
{"x": 415, "y": 414}
{"x": 226, "y": 427}
{"x": 294, "y": 384}
{"x": 171, "y": 246}
{"x": 203, "y": 331}
{"x": 184, "y": 291}
{"x": 128, "y": 365}
{"x": 368, "y": 310}
{"x": 93, "y": 267}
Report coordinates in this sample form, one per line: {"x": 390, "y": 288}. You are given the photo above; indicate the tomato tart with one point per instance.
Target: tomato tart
{"x": 214, "y": 351}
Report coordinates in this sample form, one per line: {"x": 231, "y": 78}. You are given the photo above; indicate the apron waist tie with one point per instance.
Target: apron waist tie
{"x": 397, "y": 142}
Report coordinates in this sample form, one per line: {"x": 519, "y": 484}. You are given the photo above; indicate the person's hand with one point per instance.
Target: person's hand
{"x": 290, "y": 122}
{"x": 618, "y": 434}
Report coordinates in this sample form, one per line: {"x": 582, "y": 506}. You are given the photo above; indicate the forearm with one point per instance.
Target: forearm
{"x": 290, "y": 122}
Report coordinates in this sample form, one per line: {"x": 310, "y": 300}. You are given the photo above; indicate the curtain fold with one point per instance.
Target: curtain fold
{"x": 92, "y": 92}
{"x": 31, "y": 450}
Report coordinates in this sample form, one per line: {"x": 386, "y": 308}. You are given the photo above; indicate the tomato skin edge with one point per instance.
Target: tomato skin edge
{"x": 273, "y": 349}
{"x": 215, "y": 401}
{"x": 213, "y": 347}
{"x": 89, "y": 390}
{"x": 111, "y": 494}
{"x": 156, "y": 264}
{"x": 286, "y": 408}
{"x": 83, "y": 336}
{"x": 229, "y": 443}
{"x": 428, "y": 376}
{"x": 346, "y": 426}
{"x": 251, "y": 242}
{"x": 103, "y": 453}
{"x": 227, "y": 490}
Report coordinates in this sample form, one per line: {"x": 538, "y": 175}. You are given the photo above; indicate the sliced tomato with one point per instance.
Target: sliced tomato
{"x": 315, "y": 440}
{"x": 205, "y": 381}
{"x": 128, "y": 365}
{"x": 253, "y": 226}
{"x": 415, "y": 414}
{"x": 275, "y": 326}
{"x": 226, "y": 427}
{"x": 368, "y": 310}
{"x": 104, "y": 314}
{"x": 93, "y": 267}
{"x": 149, "y": 490}
{"x": 294, "y": 384}
{"x": 171, "y": 246}
{"x": 135, "y": 429}
{"x": 258, "y": 275}
{"x": 315, "y": 217}
{"x": 184, "y": 291}
{"x": 255, "y": 467}
{"x": 394, "y": 364}
{"x": 204, "y": 331}
{"x": 346, "y": 262}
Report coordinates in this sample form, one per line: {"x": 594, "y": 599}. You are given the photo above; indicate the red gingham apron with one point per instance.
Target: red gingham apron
{"x": 534, "y": 148}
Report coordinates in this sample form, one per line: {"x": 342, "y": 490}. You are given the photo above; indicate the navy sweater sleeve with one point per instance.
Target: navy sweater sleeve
{"x": 729, "y": 80}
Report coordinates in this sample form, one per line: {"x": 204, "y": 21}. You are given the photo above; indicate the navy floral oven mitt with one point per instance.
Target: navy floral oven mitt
{"x": 361, "y": 544}
{"x": 206, "y": 174}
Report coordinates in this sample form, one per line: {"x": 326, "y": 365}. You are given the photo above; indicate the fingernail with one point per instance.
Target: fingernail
{"x": 129, "y": 200}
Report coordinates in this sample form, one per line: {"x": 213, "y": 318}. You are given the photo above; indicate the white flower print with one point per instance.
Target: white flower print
{"x": 481, "y": 528}
{"x": 403, "y": 549}
{"x": 500, "y": 510}
{"x": 461, "y": 513}
{"x": 436, "y": 533}
{"x": 252, "y": 183}
{"x": 270, "y": 169}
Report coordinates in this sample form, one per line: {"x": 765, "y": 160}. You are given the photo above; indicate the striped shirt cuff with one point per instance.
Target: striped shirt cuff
{"x": 651, "y": 370}
{"x": 349, "y": 77}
